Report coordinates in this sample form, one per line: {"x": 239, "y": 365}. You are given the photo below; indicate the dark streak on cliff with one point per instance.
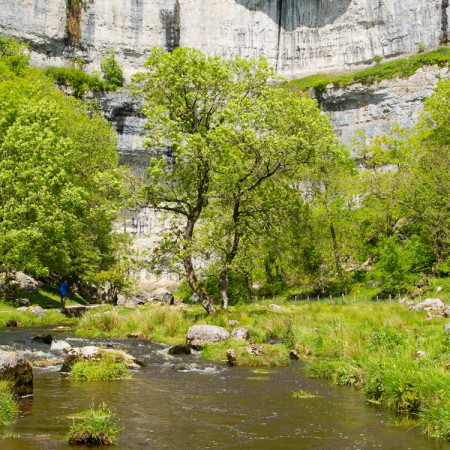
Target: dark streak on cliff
{"x": 279, "y": 21}
{"x": 444, "y": 21}
{"x": 171, "y": 24}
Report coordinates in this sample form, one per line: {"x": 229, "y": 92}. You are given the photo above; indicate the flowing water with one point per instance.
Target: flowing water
{"x": 185, "y": 403}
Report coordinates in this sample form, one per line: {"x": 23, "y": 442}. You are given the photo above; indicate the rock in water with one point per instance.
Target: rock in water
{"x": 242, "y": 334}
{"x": 44, "y": 338}
{"x": 18, "y": 370}
{"x": 198, "y": 335}
{"x": 180, "y": 349}
{"x": 92, "y": 353}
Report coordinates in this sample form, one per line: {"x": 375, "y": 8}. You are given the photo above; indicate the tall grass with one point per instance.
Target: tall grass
{"x": 95, "y": 427}
{"x": 8, "y": 405}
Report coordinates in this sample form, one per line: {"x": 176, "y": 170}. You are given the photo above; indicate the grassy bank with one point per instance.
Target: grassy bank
{"x": 399, "y": 68}
{"x": 395, "y": 355}
{"x": 47, "y": 298}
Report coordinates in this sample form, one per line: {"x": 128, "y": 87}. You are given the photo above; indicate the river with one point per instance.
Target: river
{"x": 182, "y": 402}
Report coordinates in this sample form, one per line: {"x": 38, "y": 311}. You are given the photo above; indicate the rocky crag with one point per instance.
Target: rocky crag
{"x": 298, "y": 37}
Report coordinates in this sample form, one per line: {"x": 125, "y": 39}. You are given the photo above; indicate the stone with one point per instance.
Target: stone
{"x": 294, "y": 354}
{"x": 231, "y": 356}
{"x": 18, "y": 371}
{"x": 233, "y": 323}
{"x": 22, "y": 308}
{"x": 44, "y": 338}
{"x": 92, "y": 353}
{"x": 180, "y": 349}
{"x": 276, "y": 307}
{"x": 430, "y": 304}
{"x": 419, "y": 354}
{"x": 129, "y": 301}
{"x": 439, "y": 289}
{"x": 37, "y": 311}
{"x": 23, "y": 301}
{"x": 27, "y": 285}
{"x": 163, "y": 295}
{"x": 242, "y": 334}
{"x": 374, "y": 283}
{"x": 447, "y": 328}
{"x": 198, "y": 335}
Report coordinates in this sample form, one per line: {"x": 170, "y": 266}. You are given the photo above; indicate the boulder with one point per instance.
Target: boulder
{"x": 198, "y": 335}
{"x": 276, "y": 307}
{"x": 130, "y": 301}
{"x": 242, "y": 334}
{"x": 27, "y": 284}
{"x": 233, "y": 323}
{"x": 37, "y": 311}
{"x": 447, "y": 328}
{"x": 432, "y": 304}
{"x": 44, "y": 338}
{"x": 22, "y": 308}
{"x": 23, "y": 301}
{"x": 180, "y": 349}
{"x": 294, "y": 354}
{"x": 92, "y": 353}
{"x": 163, "y": 295}
{"x": 18, "y": 371}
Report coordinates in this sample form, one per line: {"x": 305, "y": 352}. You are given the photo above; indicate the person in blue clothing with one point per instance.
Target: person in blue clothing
{"x": 64, "y": 292}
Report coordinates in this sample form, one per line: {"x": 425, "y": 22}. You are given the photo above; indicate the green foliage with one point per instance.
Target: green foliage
{"x": 8, "y": 405}
{"x": 377, "y": 59}
{"x": 80, "y": 81}
{"x": 112, "y": 71}
{"x": 400, "y": 68}
{"x": 13, "y": 54}
{"x": 59, "y": 182}
{"x": 104, "y": 370}
{"x": 95, "y": 427}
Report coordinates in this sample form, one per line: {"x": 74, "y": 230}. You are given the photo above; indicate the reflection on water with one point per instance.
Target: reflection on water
{"x": 183, "y": 402}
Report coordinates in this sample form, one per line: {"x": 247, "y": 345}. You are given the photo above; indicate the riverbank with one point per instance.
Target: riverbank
{"x": 396, "y": 356}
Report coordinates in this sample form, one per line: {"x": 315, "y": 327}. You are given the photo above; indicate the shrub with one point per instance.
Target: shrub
{"x": 8, "y": 405}
{"x": 112, "y": 72}
{"x": 97, "y": 427}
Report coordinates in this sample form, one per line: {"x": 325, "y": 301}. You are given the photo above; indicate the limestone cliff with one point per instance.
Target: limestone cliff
{"x": 298, "y": 37}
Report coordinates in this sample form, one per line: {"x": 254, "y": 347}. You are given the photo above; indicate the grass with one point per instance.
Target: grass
{"x": 103, "y": 370}
{"x": 95, "y": 427}
{"x": 399, "y": 68}
{"x": 8, "y": 405}
{"x": 46, "y": 297}
{"x": 302, "y": 394}
{"x": 369, "y": 344}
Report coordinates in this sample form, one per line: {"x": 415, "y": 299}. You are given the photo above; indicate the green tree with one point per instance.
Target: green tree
{"x": 231, "y": 136}
{"x": 112, "y": 71}
{"x": 59, "y": 182}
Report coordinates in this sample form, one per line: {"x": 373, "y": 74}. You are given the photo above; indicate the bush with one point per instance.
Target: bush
{"x": 112, "y": 72}
{"x": 97, "y": 427}
{"x": 8, "y": 405}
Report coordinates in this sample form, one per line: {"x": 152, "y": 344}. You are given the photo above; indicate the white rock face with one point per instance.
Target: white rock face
{"x": 375, "y": 109}
{"x": 298, "y": 37}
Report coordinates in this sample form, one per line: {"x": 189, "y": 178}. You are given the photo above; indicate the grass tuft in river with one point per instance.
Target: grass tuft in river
{"x": 108, "y": 368}
{"x": 95, "y": 427}
{"x": 8, "y": 405}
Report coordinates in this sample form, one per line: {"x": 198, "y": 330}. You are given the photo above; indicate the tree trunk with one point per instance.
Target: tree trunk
{"x": 223, "y": 285}
{"x": 335, "y": 245}
{"x": 249, "y": 281}
{"x": 191, "y": 277}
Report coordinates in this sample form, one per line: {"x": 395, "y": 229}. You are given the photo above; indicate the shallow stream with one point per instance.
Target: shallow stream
{"x": 182, "y": 402}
